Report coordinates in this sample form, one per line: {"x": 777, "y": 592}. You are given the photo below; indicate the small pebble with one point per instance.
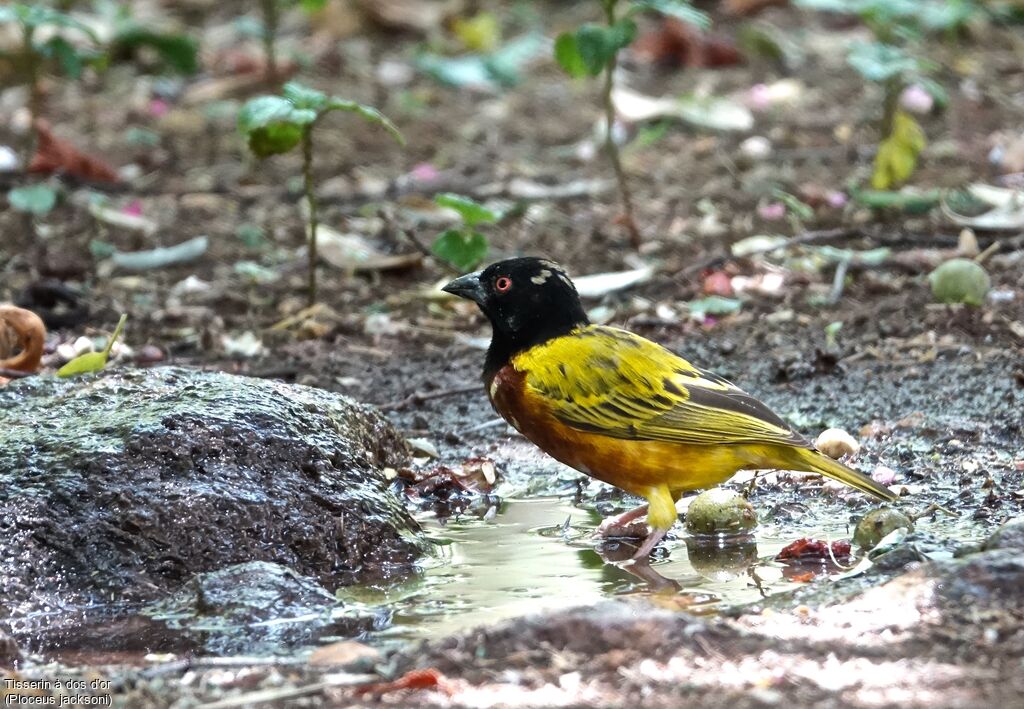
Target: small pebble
{"x": 756, "y": 148}
{"x": 883, "y": 475}
{"x": 915, "y": 99}
{"x": 835, "y": 443}
{"x": 720, "y": 511}
{"x": 82, "y": 345}
{"x": 877, "y": 523}
{"x": 149, "y": 354}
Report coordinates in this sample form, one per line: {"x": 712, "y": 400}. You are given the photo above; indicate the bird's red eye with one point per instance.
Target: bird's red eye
{"x": 502, "y": 284}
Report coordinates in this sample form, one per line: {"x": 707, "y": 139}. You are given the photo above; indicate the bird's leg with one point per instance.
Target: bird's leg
{"x": 661, "y": 515}
{"x": 652, "y": 540}
{"x": 620, "y": 522}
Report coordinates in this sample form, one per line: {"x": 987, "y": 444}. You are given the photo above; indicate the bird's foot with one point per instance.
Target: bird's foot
{"x": 652, "y": 540}
{"x": 624, "y": 525}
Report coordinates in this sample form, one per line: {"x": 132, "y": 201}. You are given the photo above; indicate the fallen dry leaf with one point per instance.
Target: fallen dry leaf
{"x": 415, "y": 679}
{"x": 411, "y": 15}
{"x": 676, "y": 43}
{"x": 55, "y": 156}
{"x": 813, "y": 550}
{"x": 341, "y": 653}
{"x": 22, "y": 334}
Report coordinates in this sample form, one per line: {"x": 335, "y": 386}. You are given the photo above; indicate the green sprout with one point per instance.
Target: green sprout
{"x": 463, "y": 247}
{"x": 56, "y": 52}
{"x": 891, "y": 62}
{"x": 271, "y": 11}
{"x": 593, "y": 49}
{"x": 273, "y": 125}
{"x": 93, "y": 361}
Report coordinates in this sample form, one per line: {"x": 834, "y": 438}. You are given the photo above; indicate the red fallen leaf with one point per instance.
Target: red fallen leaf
{"x": 805, "y": 577}
{"x": 29, "y": 334}
{"x": 677, "y": 43}
{"x": 718, "y": 283}
{"x": 476, "y": 475}
{"x": 57, "y": 156}
{"x": 415, "y": 679}
{"x": 804, "y": 550}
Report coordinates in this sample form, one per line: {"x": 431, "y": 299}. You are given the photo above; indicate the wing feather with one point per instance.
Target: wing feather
{"x": 610, "y": 381}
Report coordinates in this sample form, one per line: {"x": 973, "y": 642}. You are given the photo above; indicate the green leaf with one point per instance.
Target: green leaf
{"x": 66, "y": 55}
{"x": 910, "y": 202}
{"x": 84, "y": 364}
{"x": 714, "y": 305}
{"x": 34, "y": 199}
{"x": 93, "y": 361}
{"x": 794, "y": 204}
{"x": 567, "y": 54}
{"x": 462, "y": 249}
{"x": 36, "y": 15}
{"x": 506, "y": 64}
{"x": 272, "y": 125}
{"x": 303, "y": 97}
{"x": 680, "y": 9}
{"x": 897, "y": 154}
{"x": 597, "y": 45}
{"x": 367, "y": 113}
{"x": 177, "y": 51}
{"x": 472, "y": 212}
{"x": 879, "y": 62}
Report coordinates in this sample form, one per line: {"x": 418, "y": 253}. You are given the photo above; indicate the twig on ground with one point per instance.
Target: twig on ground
{"x": 419, "y": 397}
{"x": 809, "y": 237}
{"x": 482, "y": 426}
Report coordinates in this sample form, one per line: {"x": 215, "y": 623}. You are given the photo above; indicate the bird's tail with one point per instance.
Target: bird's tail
{"x": 812, "y": 461}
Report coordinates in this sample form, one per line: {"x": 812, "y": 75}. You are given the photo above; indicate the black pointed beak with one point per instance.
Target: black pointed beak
{"x": 468, "y": 286}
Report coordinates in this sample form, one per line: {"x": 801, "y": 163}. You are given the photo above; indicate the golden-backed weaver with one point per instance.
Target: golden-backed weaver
{"x": 619, "y": 407}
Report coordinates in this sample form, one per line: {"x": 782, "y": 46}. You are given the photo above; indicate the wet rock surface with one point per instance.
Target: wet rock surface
{"x": 8, "y": 649}
{"x": 121, "y": 487}
{"x": 257, "y": 608}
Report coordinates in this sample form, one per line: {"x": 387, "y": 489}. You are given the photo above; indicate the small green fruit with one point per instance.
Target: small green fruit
{"x": 960, "y": 280}
{"x": 719, "y": 511}
{"x": 877, "y": 523}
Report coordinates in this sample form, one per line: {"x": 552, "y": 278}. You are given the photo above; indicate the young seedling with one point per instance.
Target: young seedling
{"x": 271, "y": 11}
{"x": 273, "y": 125}
{"x": 464, "y": 247}
{"x": 93, "y": 361}
{"x": 901, "y": 138}
{"x": 36, "y": 55}
{"x": 891, "y": 62}
{"x": 593, "y": 49}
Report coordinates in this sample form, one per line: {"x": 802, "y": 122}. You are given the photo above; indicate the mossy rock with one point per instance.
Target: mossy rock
{"x": 120, "y": 486}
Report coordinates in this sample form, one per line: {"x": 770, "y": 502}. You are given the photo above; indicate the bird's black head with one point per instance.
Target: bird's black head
{"x": 528, "y": 301}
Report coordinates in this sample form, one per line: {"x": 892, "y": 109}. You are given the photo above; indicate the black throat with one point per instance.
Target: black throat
{"x": 542, "y": 326}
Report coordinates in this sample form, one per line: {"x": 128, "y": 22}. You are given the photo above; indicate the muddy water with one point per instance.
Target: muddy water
{"x": 538, "y": 554}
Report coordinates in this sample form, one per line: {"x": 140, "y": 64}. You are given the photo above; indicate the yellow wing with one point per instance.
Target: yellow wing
{"x": 610, "y": 381}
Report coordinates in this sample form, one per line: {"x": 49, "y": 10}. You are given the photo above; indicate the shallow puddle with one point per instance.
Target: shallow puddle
{"x": 538, "y": 554}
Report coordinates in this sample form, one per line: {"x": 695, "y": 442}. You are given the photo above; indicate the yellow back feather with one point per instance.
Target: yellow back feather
{"x": 610, "y": 381}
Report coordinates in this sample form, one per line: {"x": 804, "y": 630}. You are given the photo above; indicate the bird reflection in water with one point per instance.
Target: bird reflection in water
{"x": 717, "y": 558}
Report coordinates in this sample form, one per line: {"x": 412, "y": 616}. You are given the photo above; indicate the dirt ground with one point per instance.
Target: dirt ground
{"x": 935, "y": 392}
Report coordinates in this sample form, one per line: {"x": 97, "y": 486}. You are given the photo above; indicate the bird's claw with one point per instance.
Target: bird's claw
{"x": 613, "y": 528}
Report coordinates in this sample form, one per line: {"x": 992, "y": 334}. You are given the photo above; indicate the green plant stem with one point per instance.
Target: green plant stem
{"x": 307, "y": 174}
{"x": 270, "y": 22}
{"x": 893, "y": 88}
{"x": 609, "y": 140}
{"x": 35, "y": 91}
